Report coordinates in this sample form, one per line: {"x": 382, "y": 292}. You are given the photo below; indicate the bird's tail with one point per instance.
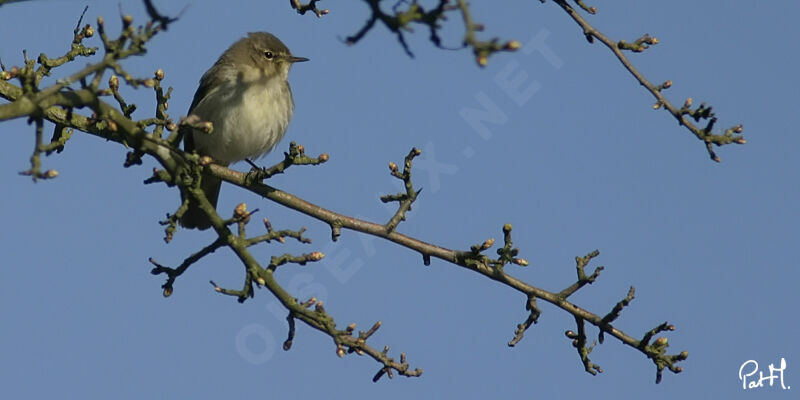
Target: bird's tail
{"x": 194, "y": 217}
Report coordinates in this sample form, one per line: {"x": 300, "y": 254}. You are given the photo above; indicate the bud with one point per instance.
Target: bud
{"x": 687, "y": 103}
{"x": 684, "y": 354}
{"x": 657, "y": 105}
{"x": 667, "y": 84}
{"x": 351, "y": 327}
{"x": 159, "y": 75}
{"x": 507, "y": 228}
{"x": 50, "y": 174}
{"x": 100, "y": 21}
{"x": 739, "y": 128}
{"x": 88, "y": 31}
{"x": 340, "y": 351}
{"x": 207, "y": 127}
{"x": 416, "y": 151}
{"x": 392, "y": 166}
{"x": 167, "y": 291}
{"x": 513, "y": 45}
{"x": 240, "y": 210}
{"x": 112, "y": 126}
{"x": 261, "y": 281}
{"x": 521, "y": 262}
{"x": 206, "y": 160}
{"x": 487, "y": 244}
{"x": 113, "y": 82}
{"x": 149, "y": 83}
{"x": 662, "y": 341}
{"x": 323, "y": 157}
{"x": 127, "y": 20}
{"x": 315, "y": 256}
{"x": 482, "y": 60}
{"x": 171, "y": 126}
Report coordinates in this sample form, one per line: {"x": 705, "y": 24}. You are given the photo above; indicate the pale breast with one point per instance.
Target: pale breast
{"x": 250, "y": 115}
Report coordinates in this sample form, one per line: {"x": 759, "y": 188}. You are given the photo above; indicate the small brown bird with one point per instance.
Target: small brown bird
{"x": 247, "y": 98}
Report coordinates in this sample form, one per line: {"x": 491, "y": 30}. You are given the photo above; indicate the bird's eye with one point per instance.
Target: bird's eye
{"x": 268, "y": 55}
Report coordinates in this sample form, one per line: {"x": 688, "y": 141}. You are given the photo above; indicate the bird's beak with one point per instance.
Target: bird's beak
{"x": 294, "y": 59}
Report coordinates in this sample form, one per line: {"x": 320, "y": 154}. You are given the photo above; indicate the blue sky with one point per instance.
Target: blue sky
{"x": 582, "y": 163}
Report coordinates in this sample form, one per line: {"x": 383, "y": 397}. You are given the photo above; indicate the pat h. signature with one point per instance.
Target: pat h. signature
{"x": 749, "y": 369}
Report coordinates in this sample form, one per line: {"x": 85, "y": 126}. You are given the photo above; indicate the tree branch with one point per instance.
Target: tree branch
{"x": 730, "y": 135}
{"x": 58, "y": 102}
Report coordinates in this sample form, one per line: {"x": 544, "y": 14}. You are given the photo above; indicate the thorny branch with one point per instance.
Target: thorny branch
{"x": 310, "y": 6}
{"x": 61, "y": 102}
{"x": 404, "y": 199}
{"x": 406, "y": 13}
{"x": 701, "y": 113}
{"x": 472, "y": 259}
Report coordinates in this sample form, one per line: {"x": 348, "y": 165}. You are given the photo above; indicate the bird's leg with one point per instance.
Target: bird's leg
{"x": 256, "y": 173}
{"x": 253, "y": 165}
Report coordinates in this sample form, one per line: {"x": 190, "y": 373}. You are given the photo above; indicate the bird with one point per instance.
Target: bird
{"x": 247, "y": 98}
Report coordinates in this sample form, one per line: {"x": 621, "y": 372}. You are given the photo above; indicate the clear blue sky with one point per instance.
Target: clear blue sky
{"x": 582, "y": 163}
